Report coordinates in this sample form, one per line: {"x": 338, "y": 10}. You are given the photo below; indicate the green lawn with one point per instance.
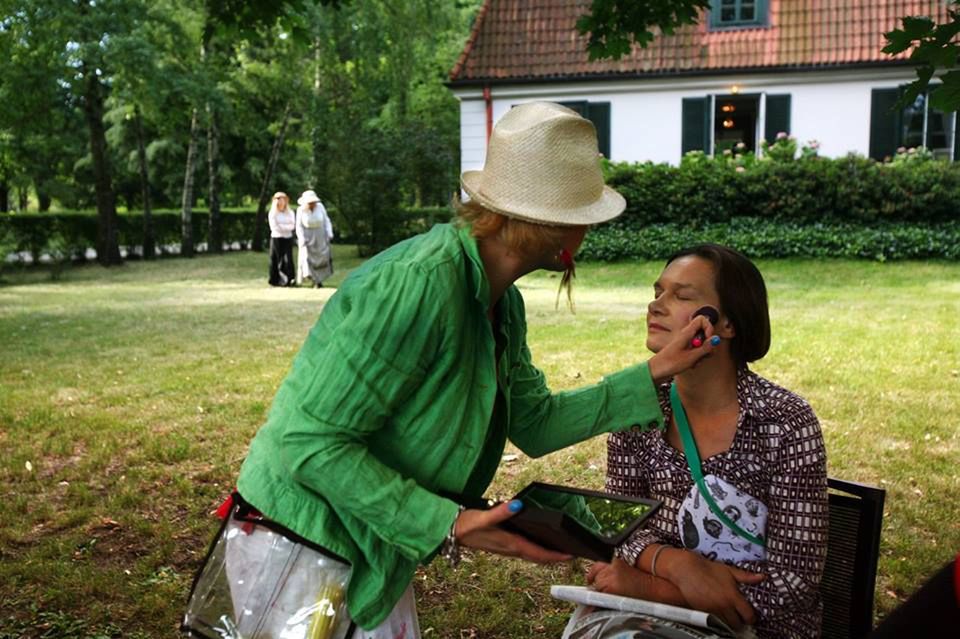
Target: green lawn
{"x": 128, "y": 397}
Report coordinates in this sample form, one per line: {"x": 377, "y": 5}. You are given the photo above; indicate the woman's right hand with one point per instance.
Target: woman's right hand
{"x": 478, "y": 529}
{"x": 679, "y": 355}
{"x": 710, "y": 586}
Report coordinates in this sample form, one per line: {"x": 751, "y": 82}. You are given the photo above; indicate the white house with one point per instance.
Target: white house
{"x": 747, "y": 71}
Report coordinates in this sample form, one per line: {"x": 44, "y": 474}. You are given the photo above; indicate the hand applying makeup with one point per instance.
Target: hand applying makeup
{"x": 710, "y": 313}
{"x": 680, "y": 354}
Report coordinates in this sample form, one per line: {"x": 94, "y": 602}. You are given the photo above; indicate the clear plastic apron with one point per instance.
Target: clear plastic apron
{"x": 258, "y": 583}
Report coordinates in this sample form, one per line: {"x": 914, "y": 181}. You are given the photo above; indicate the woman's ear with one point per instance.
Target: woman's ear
{"x": 725, "y": 328}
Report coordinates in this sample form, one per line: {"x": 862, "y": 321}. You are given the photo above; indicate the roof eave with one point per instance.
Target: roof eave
{"x": 637, "y": 75}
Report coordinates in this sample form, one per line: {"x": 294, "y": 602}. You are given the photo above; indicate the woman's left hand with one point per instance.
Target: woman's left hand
{"x": 616, "y": 578}
{"x": 619, "y": 578}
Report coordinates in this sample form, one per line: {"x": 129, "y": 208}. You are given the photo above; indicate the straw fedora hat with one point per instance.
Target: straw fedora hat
{"x": 308, "y": 197}
{"x": 543, "y": 166}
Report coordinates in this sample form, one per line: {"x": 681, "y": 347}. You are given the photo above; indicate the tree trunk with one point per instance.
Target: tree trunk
{"x": 108, "y": 251}
{"x": 4, "y": 197}
{"x": 215, "y": 231}
{"x": 42, "y": 176}
{"x": 210, "y": 61}
{"x": 186, "y": 215}
{"x": 268, "y": 180}
{"x": 314, "y": 106}
{"x": 43, "y": 200}
{"x": 148, "y": 242}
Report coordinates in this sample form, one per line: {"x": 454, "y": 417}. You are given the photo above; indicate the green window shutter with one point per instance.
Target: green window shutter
{"x": 695, "y": 120}
{"x": 777, "y": 117}
{"x": 884, "y": 123}
{"x": 580, "y": 106}
{"x": 599, "y": 114}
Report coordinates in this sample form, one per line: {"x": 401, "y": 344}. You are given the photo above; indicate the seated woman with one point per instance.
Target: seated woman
{"x": 755, "y": 555}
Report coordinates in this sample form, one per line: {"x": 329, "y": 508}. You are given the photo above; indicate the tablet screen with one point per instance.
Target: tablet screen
{"x": 606, "y": 516}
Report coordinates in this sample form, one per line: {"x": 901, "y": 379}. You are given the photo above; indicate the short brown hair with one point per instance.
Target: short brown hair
{"x": 519, "y": 236}
{"x": 743, "y": 298}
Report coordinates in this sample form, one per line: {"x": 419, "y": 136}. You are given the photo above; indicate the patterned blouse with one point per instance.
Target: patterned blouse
{"x": 778, "y": 457}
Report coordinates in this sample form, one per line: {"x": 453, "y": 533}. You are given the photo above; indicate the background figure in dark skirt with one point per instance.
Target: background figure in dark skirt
{"x": 282, "y": 223}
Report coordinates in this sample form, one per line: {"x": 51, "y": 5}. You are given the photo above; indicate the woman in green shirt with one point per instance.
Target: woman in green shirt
{"x": 417, "y": 373}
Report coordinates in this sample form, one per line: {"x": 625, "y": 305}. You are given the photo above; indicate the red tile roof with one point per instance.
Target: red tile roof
{"x": 537, "y": 39}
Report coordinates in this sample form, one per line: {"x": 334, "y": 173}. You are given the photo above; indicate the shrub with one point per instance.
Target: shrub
{"x": 768, "y": 238}
{"x": 787, "y": 184}
{"x": 67, "y": 235}
{"x": 368, "y": 195}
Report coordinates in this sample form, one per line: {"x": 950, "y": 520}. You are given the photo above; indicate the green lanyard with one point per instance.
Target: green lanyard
{"x": 693, "y": 461}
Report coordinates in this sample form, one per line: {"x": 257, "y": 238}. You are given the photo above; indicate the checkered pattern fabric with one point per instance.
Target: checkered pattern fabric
{"x": 777, "y": 456}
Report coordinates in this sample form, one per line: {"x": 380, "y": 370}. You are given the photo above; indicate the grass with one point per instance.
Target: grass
{"x": 128, "y": 397}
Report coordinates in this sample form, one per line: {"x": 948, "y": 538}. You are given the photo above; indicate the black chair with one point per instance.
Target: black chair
{"x": 850, "y": 571}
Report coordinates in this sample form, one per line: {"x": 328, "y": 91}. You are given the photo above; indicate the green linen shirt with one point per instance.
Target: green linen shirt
{"x": 390, "y": 402}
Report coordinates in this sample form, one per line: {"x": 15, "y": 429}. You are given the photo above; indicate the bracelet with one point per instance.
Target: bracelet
{"x": 451, "y": 549}
{"x": 653, "y": 562}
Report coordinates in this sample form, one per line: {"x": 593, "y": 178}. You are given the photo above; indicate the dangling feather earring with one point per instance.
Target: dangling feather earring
{"x": 566, "y": 282}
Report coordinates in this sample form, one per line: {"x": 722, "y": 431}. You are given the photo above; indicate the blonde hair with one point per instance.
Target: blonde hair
{"x": 522, "y": 237}
{"x": 519, "y": 236}
{"x": 273, "y": 202}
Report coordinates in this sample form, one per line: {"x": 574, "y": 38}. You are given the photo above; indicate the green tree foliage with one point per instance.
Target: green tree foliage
{"x": 935, "y": 48}
{"x": 347, "y": 98}
{"x": 81, "y": 52}
{"x": 614, "y": 26}
{"x": 381, "y": 130}
{"x": 41, "y": 122}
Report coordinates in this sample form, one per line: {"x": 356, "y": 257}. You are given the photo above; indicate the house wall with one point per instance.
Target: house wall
{"x": 832, "y": 107}
{"x": 473, "y": 133}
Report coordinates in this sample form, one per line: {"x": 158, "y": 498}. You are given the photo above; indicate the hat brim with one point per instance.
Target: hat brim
{"x": 608, "y": 206}
{"x": 303, "y": 202}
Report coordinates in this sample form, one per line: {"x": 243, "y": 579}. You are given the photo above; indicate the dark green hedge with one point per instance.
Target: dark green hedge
{"x": 790, "y": 202}
{"x": 757, "y": 238}
{"x": 809, "y": 190}
{"x": 374, "y": 233}
{"x": 72, "y": 232}
{"x": 69, "y": 234}
{"x": 774, "y": 207}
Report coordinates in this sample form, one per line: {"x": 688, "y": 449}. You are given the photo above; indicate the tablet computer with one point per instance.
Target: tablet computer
{"x": 585, "y": 523}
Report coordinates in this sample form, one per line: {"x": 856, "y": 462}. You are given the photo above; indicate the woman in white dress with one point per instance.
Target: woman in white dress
{"x": 314, "y": 234}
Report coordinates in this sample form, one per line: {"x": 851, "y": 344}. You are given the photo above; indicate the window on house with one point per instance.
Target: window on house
{"x": 738, "y": 13}
{"x": 735, "y": 122}
{"x": 715, "y": 123}
{"x": 922, "y": 125}
{"x": 914, "y": 125}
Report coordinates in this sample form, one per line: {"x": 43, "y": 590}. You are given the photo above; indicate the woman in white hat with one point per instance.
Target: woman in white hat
{"x": 282, "y": 223}
{"x": 397, "y": 409}
{"x": 314, "y": 234}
